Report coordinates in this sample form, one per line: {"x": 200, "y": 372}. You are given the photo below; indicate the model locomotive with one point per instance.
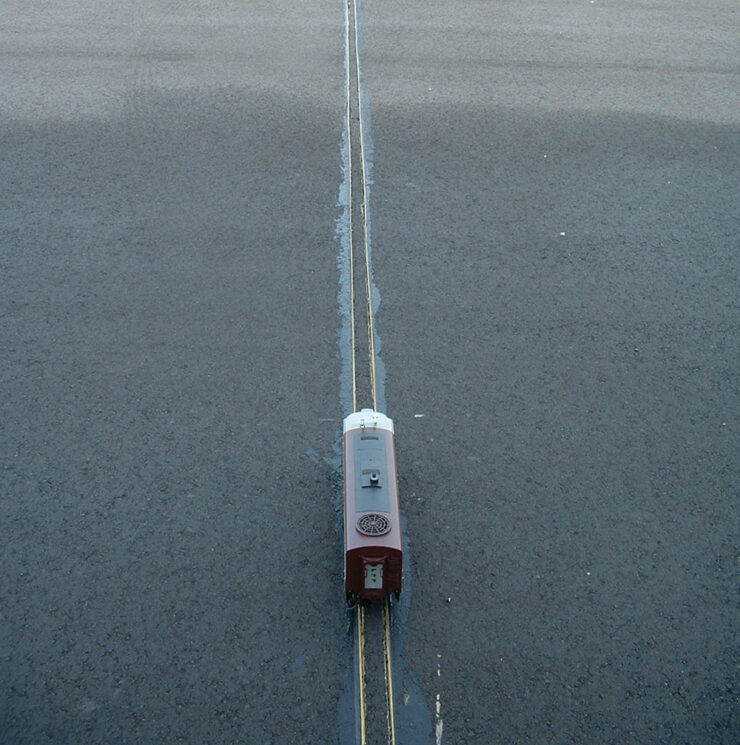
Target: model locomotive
{"x": 372, "y": 524}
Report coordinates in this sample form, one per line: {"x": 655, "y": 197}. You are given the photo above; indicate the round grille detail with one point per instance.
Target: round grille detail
{"x": 373, "y": 524}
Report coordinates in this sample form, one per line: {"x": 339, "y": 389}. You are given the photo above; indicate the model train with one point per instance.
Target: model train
{"x": 372, "y": 523}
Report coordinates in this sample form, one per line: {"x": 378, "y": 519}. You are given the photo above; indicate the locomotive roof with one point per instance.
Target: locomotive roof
{"x": 368, "y": 418}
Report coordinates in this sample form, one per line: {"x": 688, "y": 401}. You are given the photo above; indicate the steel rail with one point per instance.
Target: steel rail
{"x": 350, "y": 229}
{"x": 355, "y": 137}
{"x": 388, "y": 671}
{"x": 365, "y": 209}
{"x": 361, "y": 671}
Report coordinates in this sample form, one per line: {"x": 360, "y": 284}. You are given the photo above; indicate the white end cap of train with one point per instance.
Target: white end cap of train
{"x": 368, "y": 418}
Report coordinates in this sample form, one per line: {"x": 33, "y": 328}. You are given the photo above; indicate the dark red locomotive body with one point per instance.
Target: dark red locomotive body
{"x": 372, "y": 523}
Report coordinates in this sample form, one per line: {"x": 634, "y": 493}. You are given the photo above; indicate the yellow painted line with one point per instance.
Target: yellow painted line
{"x": 361, "y": 668}
{"x": 388, "y": 673}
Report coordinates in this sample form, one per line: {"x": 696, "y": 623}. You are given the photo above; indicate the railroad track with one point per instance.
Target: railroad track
{"x": 376, "y": 717}
{"x": 375, "y": 720}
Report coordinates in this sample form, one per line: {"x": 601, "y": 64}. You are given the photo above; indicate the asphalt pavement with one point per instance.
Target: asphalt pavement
{"x": 554, "y": 237}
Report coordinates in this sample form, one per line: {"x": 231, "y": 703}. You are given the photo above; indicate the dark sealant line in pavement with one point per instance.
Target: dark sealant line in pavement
{"x": 413, "y": 721}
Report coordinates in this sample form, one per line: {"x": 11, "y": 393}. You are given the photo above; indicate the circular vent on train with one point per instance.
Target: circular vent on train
{"x": 373, "y": 524}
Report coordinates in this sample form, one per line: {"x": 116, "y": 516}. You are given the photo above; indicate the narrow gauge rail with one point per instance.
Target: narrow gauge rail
{"x": 375, "y": 723}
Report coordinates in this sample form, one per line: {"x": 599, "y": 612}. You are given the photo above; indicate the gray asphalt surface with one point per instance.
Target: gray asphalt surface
{"x": 555, "y": 246}
{"x": 169, "y": 551}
